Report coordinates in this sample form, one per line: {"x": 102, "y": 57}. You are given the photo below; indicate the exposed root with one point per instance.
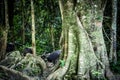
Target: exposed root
{"x": 12, "y": 74}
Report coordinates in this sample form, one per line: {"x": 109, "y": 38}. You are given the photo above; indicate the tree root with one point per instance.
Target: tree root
{"x": 59, "y": 73}
{"x": 12, "y": 74}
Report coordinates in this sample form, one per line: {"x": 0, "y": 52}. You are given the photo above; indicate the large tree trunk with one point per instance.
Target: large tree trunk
{"x": 33, "y": 28}
{"x": 4, "y": 31}
{"x": 67, "y": 43}
{"x": 84, "y": 50}
{"x": 91, "y": 19}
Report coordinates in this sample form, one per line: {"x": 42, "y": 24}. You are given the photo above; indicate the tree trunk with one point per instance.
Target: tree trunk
{"x": 52, "y": 37}
{"x": 23, "y": 22}
{"x": 84, "y": 50}
{"x": 113, "y": 55}
{"x": 33, "y": 28}
{"x": 4, "y": 31}
{"x": 94, "y": 15}
{"x": 11, "y": 32}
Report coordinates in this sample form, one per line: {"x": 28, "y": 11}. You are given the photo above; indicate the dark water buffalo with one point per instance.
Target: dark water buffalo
{"x": 27, "y": 50}
{"x": 54, "y": 56}
{"x": 10, "y": 47}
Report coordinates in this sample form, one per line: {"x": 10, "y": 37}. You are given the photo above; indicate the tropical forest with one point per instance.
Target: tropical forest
{"x": 59, "y": 40}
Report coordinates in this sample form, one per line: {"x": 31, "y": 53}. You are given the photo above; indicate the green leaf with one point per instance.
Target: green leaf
{"x": 62, "y": 63}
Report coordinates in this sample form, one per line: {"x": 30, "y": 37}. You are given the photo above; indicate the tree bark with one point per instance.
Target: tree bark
{"x": 12, "y": 74}
{"x": 4, "y": 31}
{"x": 113, "y": 55}
{"x": 84, "y": 50}
{"x": 33, "y": 28}
{"x": 23, "y": 22}
{"x": 52, "y": 37}
{"x": 94, "y": 15}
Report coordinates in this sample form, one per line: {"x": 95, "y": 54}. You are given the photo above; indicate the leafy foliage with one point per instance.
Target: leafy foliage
{"x": 47, "y": 15}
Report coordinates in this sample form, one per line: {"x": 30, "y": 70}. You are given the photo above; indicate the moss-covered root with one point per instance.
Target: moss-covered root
{"x": 12, "y": 74}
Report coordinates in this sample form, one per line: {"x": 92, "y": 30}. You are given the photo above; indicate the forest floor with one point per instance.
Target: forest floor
{"x": 30, "y": 67}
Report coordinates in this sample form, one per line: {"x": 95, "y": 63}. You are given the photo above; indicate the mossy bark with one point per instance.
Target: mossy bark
{"x": 84, "y": 52}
